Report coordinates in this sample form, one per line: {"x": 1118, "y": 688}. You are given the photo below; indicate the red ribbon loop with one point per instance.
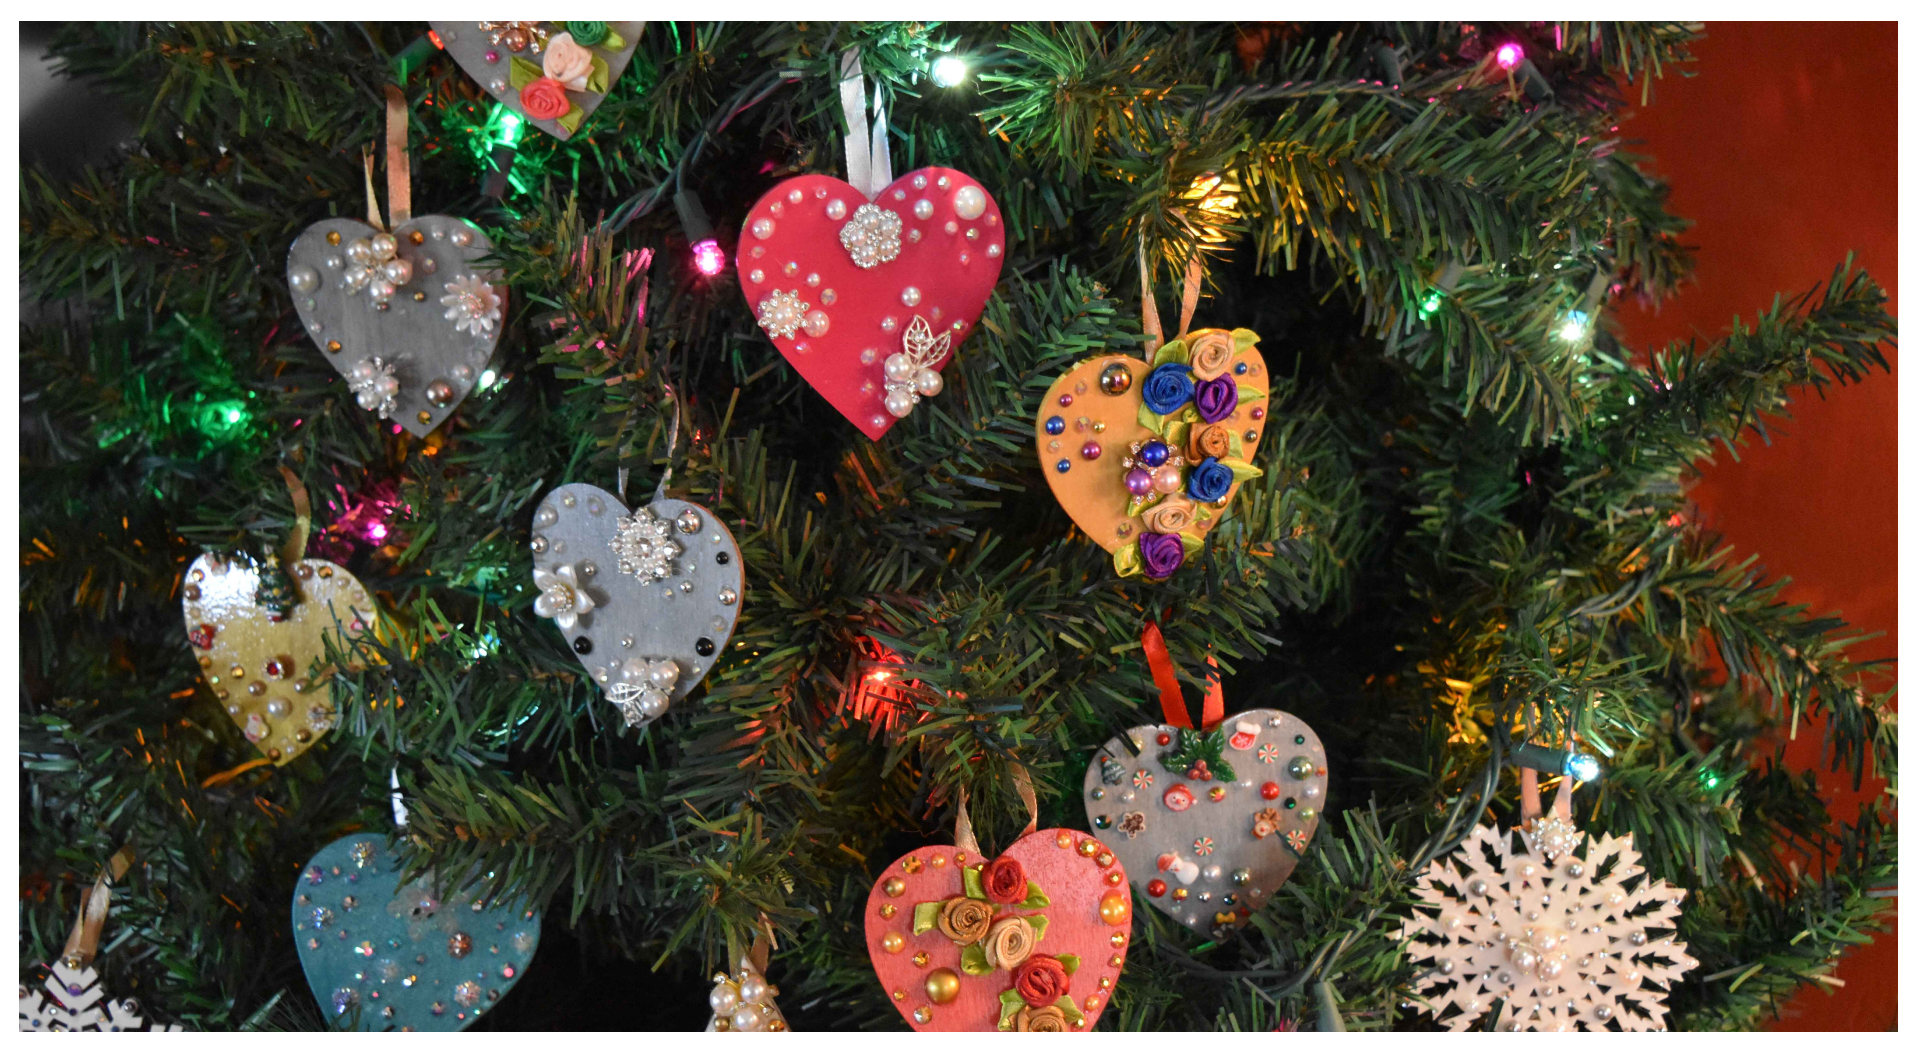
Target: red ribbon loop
{"x": 1173, "y": 703}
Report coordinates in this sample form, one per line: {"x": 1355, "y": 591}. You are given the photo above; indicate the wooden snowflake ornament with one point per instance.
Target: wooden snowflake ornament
{"x": 75, "y": 1000}
{"x": 1561, "y": 942}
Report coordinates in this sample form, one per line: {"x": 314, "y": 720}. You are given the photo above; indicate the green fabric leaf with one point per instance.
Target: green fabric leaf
{"x": 1010, "y": 1005}
{"x": 1244, "y": 339}
{"x": 1039, "y": 924}
{"x": 1126, "y": 560}
{"x": 522, "y": 73}
{"x": 1176, "y": 433}
{"x": 1069, "y": 961}
{"x": 614, "y": 41}
{"x": 926, "y": 916}
{"x": 1036, "y": 899}
{"x": 1190, "y": 544}
{"x": 1242, "y": 470}
{"x": 1235, "y": 448}
{"x": 1136, "y": 505}
{"x": 1190, "y": 414}
{"x": 970, "y": 882}
{"x": 1149, "y": 419}
{"x": 571, "y": 119}
{"x": 973, "y": 961}
{"x": 1171, "y": 351}
{"x": 1066, "y": 1007}
{"x": 1249, "y": 394}
{"x": 597, "y": 80}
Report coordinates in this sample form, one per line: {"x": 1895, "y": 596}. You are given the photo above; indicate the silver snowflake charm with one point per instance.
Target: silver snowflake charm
{"x": 911, "y": 373}
{"x": 373, "y": 385}
{"x": 1558, "y": 945}
{"x": 472, "y": 304}
{"x": 1552, "y": 836}
{"x": 372, "y": 264}
{"x": 561, "y": 596}
{"x": 644, "y": 546}
{"x": 75, "y": 1000}
{"x": 871, "y": 236}
{"x": 781, "y": 313}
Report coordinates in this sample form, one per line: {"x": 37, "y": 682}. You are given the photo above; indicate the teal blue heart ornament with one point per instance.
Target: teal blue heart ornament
{"x": 383, "y": 956}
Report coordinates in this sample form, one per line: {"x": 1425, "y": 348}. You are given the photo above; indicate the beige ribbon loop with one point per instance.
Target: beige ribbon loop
{"x": 399, "y": 166}
{"x": 963, "y": 837}
{"x": 373, "y": 202}
{"x": 1189, "y": 298}
{"x": 763, "y": 946}
{"x": 84, "y": 942}
{"x": 1530, "y": 808}
{"x": 963, "y": 828}
{"x": 296, "y": 547}
{"x": 1024, "y": 786}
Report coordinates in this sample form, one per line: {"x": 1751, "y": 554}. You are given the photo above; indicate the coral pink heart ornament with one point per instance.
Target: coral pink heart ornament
{"x": 868, "y": 299}
{"x": 1031, "y": 941}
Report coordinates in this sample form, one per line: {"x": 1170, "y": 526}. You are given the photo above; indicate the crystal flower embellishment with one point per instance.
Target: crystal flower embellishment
{"x": 645, "y": 547}
{"x": 871, "y": 236}
{"x": 561, "y": 597}
{"x": 781, "y": 313}
{"x": 472, "y": 304}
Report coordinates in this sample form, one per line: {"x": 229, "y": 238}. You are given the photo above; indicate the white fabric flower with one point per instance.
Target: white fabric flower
{"x": 561, "y": 597}
{"x": 567, "y": 62}
{"x": 472, "y": 304}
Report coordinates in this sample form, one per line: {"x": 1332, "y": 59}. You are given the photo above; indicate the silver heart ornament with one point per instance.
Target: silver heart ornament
{"x": 404, "y": 315}
{"x": 382, "y": 955}
{"x": 647, "y": 598}
{"x": 1209, "y": 824}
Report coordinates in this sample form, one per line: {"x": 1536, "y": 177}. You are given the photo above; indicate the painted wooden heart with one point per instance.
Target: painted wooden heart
{"x": 1031, "y": 941}
{"x": 553, "y": 74}
{"x": 648, "y": 598}
{"x": 404, "y": 316}
{"x": 1210, "y": 824}
{"x": 1146, "y": 456}
{"x": 258, "y": 632}
{"x": 380, "y": 955}
{"x": 869, "y": 299}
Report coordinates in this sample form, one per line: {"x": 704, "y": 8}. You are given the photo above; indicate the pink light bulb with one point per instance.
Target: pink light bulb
{"x": 1509, "y": 55}
{"x": 708, "y": 259}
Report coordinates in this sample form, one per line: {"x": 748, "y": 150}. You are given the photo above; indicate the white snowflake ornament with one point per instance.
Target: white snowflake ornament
{"x": 76, "y": 1001}
{"x": 1562, "y": 944}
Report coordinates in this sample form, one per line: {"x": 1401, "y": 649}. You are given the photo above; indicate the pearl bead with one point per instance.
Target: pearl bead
{"x": 899, "y": 402}
{"x": 724, "y": 999}
{"x": 923, "y": 209}
{"x": 398, "y": 271}
{"x": 928, "y": 382}
{"x": 899, "y": 367}
{"x": 360, "y": 251}
{"x": 462, "y": 237}
{"x": 380, "y": 289}
{"x": 762, "y": 228}
{"x": 969, "y": 202}
{"x": 753, "y": 989}
{"x": 748, "y": 1018}
{"x": 277, "y": 707}
{"x": 663, "y": 674}
{"x": 816, "y": 323}
{"x": 383, "y": 245}
{"x": 303, "y": 279}
{"x": 653, "y": 704}
{"x": 1139, "y": 482}
{"x": 1166, "y": 479}
{"x": 440, "y": 394}
{"x": 634, "y": 671}
{"x": 836, "y": 209}
{"x": 363, "y": 370}
{"x": 910, "y": 296}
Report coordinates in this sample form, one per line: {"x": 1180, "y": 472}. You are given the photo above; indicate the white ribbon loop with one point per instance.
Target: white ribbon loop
{"x": 869, "y": 166}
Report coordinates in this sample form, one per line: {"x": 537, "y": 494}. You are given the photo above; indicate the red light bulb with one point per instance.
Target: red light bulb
{"x": 1509, "y": 55}
{"x": 708, "y": 259}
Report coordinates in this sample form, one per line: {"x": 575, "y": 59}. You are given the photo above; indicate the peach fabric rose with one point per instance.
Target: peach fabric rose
{"x": 545, "y": 99}
{"x": 965, "y": 920}
{"x": 567, "y": 62}
{"x": 1210, "y": 353}
{"x": 1009, "y": 943}
{"x": 1171, "y": 515}
{"x": 1209, "y": 440}
{"x": 1048, "y": 1020}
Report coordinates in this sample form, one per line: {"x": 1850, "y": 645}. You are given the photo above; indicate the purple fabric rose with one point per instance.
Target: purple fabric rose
{"x": 1216, "y": 399}
{"x": 1161, "y": 554}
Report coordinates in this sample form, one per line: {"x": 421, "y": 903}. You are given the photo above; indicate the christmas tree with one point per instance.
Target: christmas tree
{"x": 1468, "y": 542}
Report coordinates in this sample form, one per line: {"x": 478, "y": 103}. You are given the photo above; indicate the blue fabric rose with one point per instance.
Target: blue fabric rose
{"x": 1209, "y": 480}
{"x": 1167, "y": 388}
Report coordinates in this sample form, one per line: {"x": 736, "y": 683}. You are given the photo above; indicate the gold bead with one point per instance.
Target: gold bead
{"x": 221, "y": 693}
{"x": 1115, "y": 908}
{"x": 426, "y": 417}
{"x": 303, "y": 736}
{"x": 1092, "y": 1002}
{"x": 1106, "y": 982}
{"x": 333, "y": 237}
{"x": 1105, "y": 859}
{"x": 237, "y": 670}
{"x": 943, "y": 986}
{"x": 205, "y": 661}
{"x": 1063, "y": 839}
{"x": 959, "y": 857}
{"x": 923, "y": 1015}
{"x": 1116, "y": 961}
{"x": 920, "y": 959}
{"x": 894, "y": 887}
{"x": 419, "y": 297}
{"x": 899, "y": 995}
{"x": 326, "y": 571}
{"x": 776, "y": 1024}
{"x": 333, "y": 346}
{"x": 1179, "y": 894}
{"x": 199, "y": 575}
{"x": 888, "y": 910}
{"x": 1113, "y": 879}
{"x": 1119, "y": 939}
{"x": 416, "y": 237}
{"x": 893, "y": 942}
{"x": 193, "y": 592}
{"x": 1089, "y": 847}
{"x": 913, "y": 864}
{"x": 939, "y": 861}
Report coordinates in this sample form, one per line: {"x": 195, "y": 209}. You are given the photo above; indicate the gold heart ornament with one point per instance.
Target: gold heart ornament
{"x": 259, "y": 631}
{"x": 1146, "y": 456}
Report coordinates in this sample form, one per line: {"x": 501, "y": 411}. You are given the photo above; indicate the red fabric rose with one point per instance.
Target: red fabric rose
{"x": 545, "y": 99}
{"x": 1041, "y": 980}
{"x": 1005, "y": 881}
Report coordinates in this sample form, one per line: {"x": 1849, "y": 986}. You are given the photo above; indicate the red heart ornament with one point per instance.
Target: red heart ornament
{"x": 1088, "y": 913}
{"x": 838, "y": 281}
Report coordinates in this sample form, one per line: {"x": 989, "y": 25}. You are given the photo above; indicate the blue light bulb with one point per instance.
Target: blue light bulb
{"x": 1583, "y": 767}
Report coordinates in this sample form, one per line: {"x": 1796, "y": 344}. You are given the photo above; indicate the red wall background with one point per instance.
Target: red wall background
{"x": 1783, "y": 150}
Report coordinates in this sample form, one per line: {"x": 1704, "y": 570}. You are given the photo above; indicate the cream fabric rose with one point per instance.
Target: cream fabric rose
{"x": 1210, "y": 353}
{"x": 1048, "y": 1020}
{"x": 1009, "y": 943}
{"x": 1171, "y": 515}
{"x": 569, "y": 63}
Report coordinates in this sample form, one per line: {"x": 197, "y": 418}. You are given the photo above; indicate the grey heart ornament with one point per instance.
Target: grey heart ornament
{"x": 505, "y": 57}
{"x": 647, "y": 598}
{"x": 1209, "y": 824}
{"x": 404, "y": 315}
{"x": 382, "y": 955}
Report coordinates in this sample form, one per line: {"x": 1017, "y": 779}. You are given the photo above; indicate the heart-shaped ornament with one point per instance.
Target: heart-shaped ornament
{"x": 1146, "y": 456}
{"x": 869, "y": 299}
{"x": 380, "y": 955}
{"x": 553, "y": 74}
{"x": 1031, "y": 941}
{"x": 258, "y": 632}
{"x": 648, "y": 598}
{"x": 404, "y": 316}
{"x": 1210, "y": 824}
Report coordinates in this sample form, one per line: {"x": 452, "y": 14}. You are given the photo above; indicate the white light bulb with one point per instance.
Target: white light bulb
{"x": 949, "y": 71}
